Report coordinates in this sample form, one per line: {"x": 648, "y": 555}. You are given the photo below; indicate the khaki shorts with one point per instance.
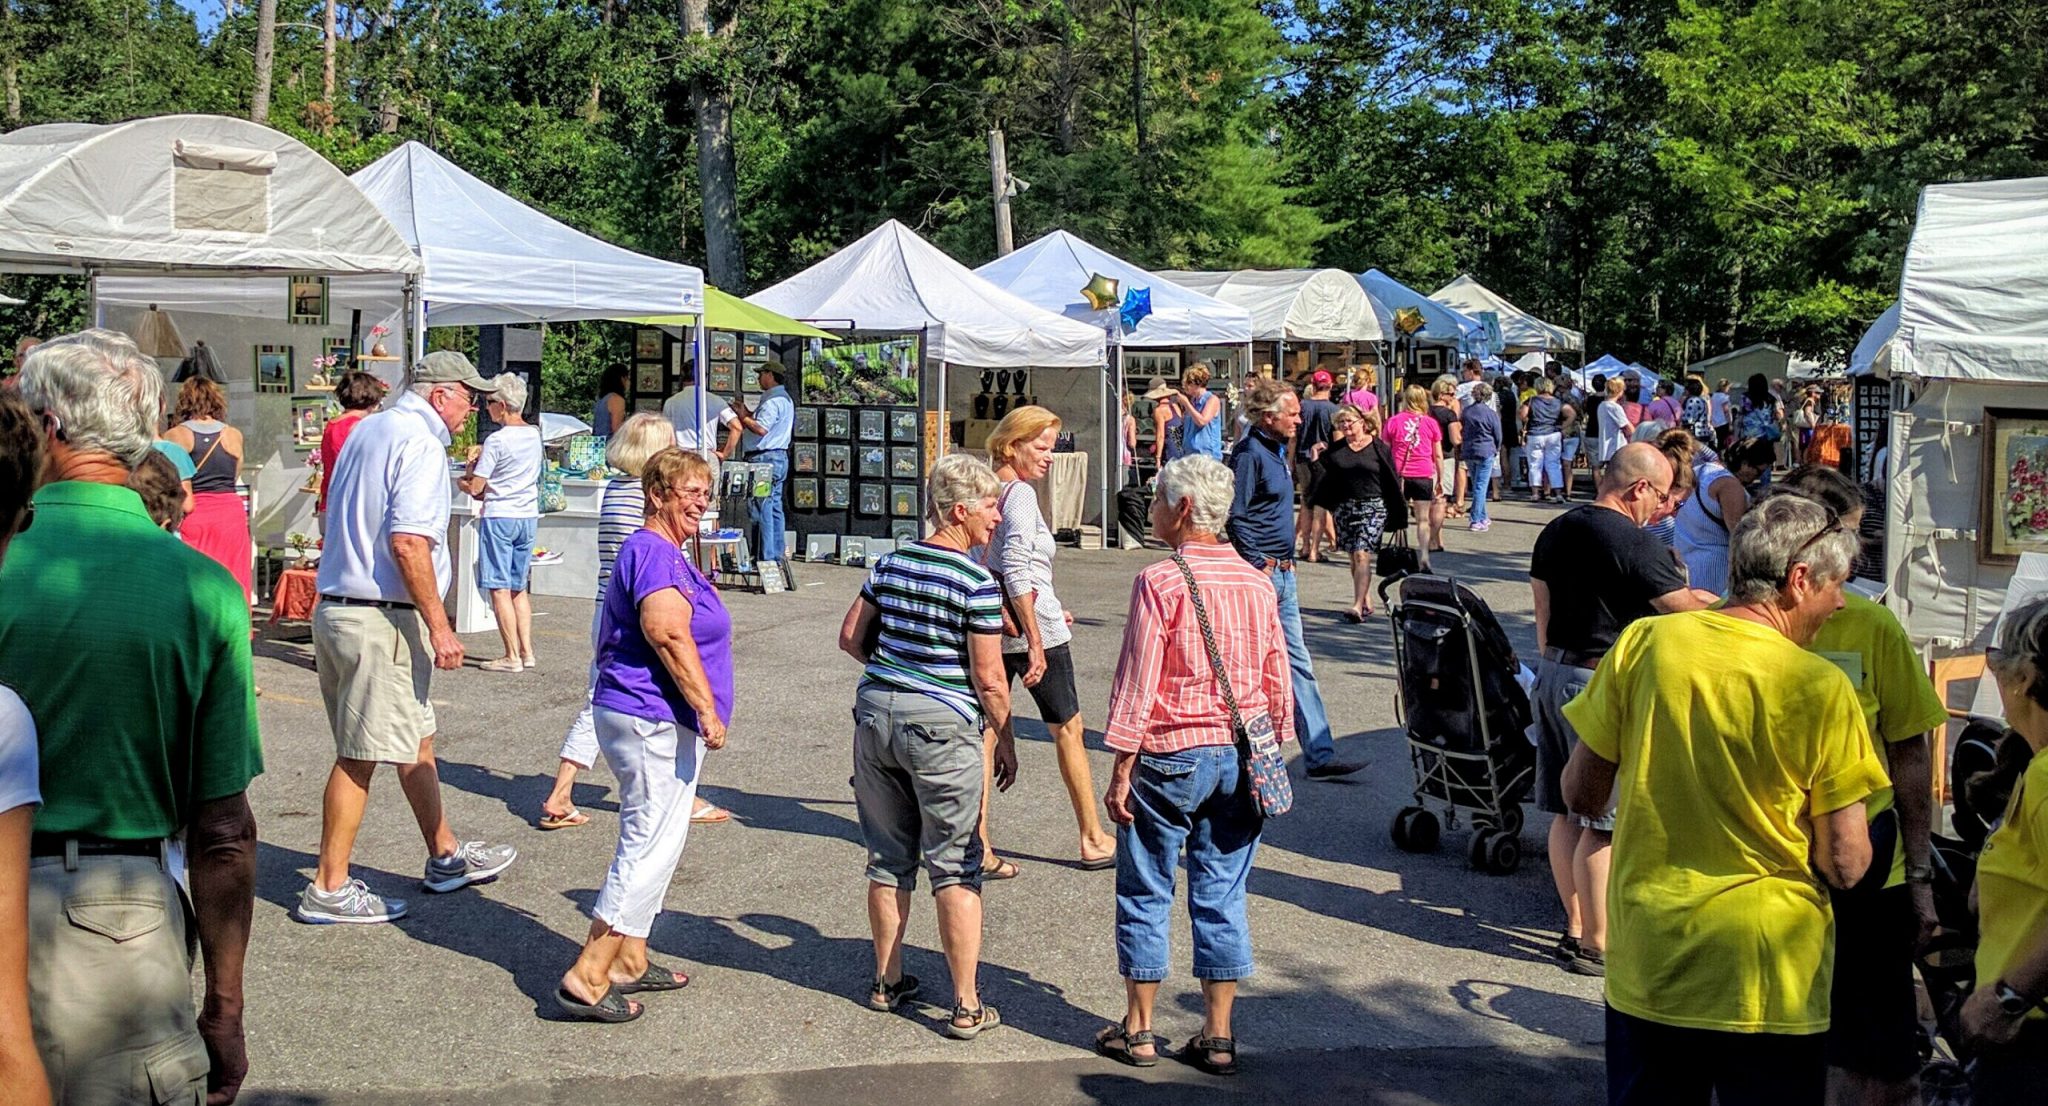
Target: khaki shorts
{"x": 374, "y": 675}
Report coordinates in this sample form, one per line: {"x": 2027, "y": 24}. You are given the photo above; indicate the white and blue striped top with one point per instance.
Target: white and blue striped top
{"x": 930, "y": 598}
{"x": 622, "y": 511}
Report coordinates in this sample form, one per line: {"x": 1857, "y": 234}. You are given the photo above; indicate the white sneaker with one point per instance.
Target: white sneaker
{"x": 352, "y": 904}
{"x": 471, "y": 862}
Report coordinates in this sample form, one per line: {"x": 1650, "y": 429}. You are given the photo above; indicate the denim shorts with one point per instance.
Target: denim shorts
{"x": 1193, "y": 807}
{"x": 1556, "y": 685}
{"x": 504, "y": 552}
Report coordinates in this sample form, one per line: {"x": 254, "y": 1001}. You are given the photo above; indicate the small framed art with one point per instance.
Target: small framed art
{"x": 647, "y": 344}
{"x": 725, "y": 345}
{"x": 273, "y": 368}
{"x": 903, "y": 426}
{"x": 754, "y": 347}
{"x": 806, "y": 425}
{"x": 308, "y": 305}
{"x": 648, "y": 379}
{"x": 838, "y": 424}
{"x": 838, "y": 493}
{"x": 874, "y": 461}
{"x": 871, "y": 425}
{"x": 803, "y": 494}
{"x": 903, "y": 500}
{"x": 903, "y": 533}
{"x": 803, "y": 457}
{"x": 309, "y": 419}
{"x": 903, "y": 462}
{"x": 2012, "y": 510}
{"x": 853, "y": 552}
{"x": 344, "y": 357}
{"x": 872, "y": 497}
{"x": 722, "y": 379}
{"x": 839, "y": 460}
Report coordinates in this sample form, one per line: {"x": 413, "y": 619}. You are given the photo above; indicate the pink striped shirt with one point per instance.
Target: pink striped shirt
{"x": 1165, "y": 697}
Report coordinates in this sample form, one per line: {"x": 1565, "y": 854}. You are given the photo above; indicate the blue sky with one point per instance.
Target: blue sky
{"x": 208, "y": 12}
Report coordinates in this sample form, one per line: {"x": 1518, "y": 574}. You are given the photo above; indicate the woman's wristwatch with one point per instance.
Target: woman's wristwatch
{"x": 2010, "y": 1002}
{"x": 1919, "y": 873}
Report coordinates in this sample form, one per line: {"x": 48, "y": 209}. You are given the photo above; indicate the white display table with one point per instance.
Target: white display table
{"x": 572, "y": 533}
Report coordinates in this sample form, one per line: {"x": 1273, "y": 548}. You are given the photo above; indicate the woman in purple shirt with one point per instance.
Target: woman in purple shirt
{"x": 663, "y": 698}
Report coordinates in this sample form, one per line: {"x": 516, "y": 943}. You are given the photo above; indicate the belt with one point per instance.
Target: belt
{"x": 352, "y": 601}
{"x": 1572, "y": 658}
{"x": 61, "y": 844}
{"x": 765, "y": 452}
{"x": 1277, "y": 564}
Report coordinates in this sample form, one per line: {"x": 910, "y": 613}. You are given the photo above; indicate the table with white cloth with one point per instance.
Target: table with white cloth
{"x": 569, "y": 536}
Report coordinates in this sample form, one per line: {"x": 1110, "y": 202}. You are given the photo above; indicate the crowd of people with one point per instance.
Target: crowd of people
{"x": 1736, "y": 754}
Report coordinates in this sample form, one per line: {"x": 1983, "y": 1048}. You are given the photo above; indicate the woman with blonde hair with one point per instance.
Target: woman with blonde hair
{"x": 1036, "y": 630}
{"x": 1197, "y": 424}
{"x": 218, "y": 524}
{"x": 1364, "y": 379}
{"x": 1447, "y": 409}
{"x": 1417, "y": 442}
{"x": 622, "y": 511}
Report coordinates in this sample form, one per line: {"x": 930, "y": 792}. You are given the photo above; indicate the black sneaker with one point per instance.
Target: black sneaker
{"x": 1567, "y": 948}
{"x": 886, "y": 997}
{"x": 1587, "y": 962}
{"x": 1333, "y": 769}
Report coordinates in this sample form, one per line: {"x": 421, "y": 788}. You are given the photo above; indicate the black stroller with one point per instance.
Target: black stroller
{"x": 1465, "y": 719}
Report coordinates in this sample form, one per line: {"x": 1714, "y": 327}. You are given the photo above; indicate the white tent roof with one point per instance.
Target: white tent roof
{"x": 1518, "y": 328}
{"x": 491, "y": 259}
{"x": 1440, "y": 324}
{"x": 1873, "y": 354}
{"x": 1301, "y": 305}
{"x": 1609, "y": 365}
{"x": 1051, "y": 272}
{"x": 184, "y": 192}
{"x": 893, "y": 280}
{"x": 1973, "y": 300}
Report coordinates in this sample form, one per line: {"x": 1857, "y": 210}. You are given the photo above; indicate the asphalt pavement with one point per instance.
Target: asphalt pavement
{"x": 1382, "y": 976}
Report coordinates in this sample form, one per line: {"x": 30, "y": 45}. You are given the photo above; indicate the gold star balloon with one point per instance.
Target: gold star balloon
{"x": 1101, "y": 292}
{"x": 1408, "y": 320}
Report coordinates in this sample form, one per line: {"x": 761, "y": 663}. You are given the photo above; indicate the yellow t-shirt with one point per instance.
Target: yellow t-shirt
{"x": 2012, "y": 880}
{"x": 1899, "y": 702}
{"x": 1726, "y": 736}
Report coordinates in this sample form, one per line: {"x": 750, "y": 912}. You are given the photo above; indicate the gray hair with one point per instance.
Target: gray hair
{"x": 511, "y": 390}
{"x": 1769, "y": 540}
{"x": 1264, "y": 397}
{"x": 2022, "y": 648}
{"x": 958, "y": 478}
{"x": 1208, "y": 486}
{"x": 1482, "y": 392}
{"x": 107, "y": 396}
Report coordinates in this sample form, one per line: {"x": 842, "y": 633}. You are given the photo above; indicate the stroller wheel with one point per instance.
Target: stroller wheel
{"x": 1415, "y": 830}
{"x": 1475, "y": 849}
{"x": 1511, "y": 819}
{"x": 1503, "y": 854}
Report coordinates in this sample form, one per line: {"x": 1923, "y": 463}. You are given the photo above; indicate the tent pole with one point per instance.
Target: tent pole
{"x": 707, "y": 438}
{"x": 419, "y": 326}
{"x": 1112, "y": 438}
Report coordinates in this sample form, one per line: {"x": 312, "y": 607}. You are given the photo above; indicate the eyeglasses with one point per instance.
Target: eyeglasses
{"x": 1663, "y": 493}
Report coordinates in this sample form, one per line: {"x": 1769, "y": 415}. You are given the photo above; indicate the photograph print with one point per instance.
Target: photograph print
{"x": 803, "y": 457}
{"x": 273, "y": 368}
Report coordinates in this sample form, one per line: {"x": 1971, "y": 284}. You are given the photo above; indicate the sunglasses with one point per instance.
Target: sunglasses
{"x": 1834, "y": 526}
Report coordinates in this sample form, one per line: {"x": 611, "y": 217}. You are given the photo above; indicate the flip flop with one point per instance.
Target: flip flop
{"x": 655, "y": 978}
{"x": 564, "y": 821}
{"x": 1003, "y": 870}
{"x": 711, "y": 815}
{"x": 612, "y": 1007}
{"x": 1099, "y": 864}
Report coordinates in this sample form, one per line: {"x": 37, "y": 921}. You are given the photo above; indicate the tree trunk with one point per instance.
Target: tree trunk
{"x": 596, "y": 101}
{"x": 10, "y": 71}
{"x": 1138, "y": 74}
{"x": 717, "y": 167}
{"x": 327, "y": 45}
{"x": 266, "y": 52}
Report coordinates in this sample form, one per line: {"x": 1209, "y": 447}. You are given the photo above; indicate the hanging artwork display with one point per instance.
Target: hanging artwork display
{"x": 839, "y": 460}
{"x": 803, "y": 457}
{"x": 647, "y": 344}
{"x": 903, "y": 426}
{"x": 806, "y": 425}
{"x": 903, "y": 462}
{"x": 903, "y": 500}
{"x": 308, "y": 306}
{"x": 872, "y": 498}
{"x": 724, "y": 345}
{"x": 862, "y": 373}
{"x": 721, "y": 379}
{"x": 871, "y": 425}
{"x": 903, "y": 533}
{"x": 874, "y": 461}
{"x": 309, "y": 420}
{"x": 837, "y": 495}
{"x": 803, "y": 494}
{"x": 838, "y": 423}
{"x": 648, "y": 379}
{"x": 2012, "y": 514}
{"x": 273, "y": 368}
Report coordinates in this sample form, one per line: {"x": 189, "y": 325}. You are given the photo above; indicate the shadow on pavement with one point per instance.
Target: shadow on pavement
{"x": 522, "y": 794}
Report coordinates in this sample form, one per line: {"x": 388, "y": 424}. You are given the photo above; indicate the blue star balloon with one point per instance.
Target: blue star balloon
{"x": 1137, "y": 305}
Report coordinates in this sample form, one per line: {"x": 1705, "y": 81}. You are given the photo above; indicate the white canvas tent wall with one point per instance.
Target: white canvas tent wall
{"x": 1051, "y": 272}
{"x": 1973, "y": 333}
{"x": 1873, "y": 353}
{"x": 1292, "y": 305}
{"x": 1441, "y": 326}
{"x": 1518, "y": 328}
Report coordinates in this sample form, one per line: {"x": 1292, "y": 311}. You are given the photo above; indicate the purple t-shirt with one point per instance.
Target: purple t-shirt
{"x": 630, "y": 676}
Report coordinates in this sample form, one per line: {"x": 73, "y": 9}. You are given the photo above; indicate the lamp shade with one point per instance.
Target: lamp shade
{"x": 158, "y": 336}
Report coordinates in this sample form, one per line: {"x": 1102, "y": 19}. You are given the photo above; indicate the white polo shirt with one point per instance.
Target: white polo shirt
{"x": 681, "y": 412}
{"x": 391, "y": 478}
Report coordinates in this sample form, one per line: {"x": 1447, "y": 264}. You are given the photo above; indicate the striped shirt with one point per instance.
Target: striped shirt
{"x": 1165, "y": 697}
{"x": 622, "y": 511}
{"x": 930, "y": 598}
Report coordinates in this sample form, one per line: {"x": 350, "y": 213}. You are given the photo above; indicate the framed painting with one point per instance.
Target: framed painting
{"x": 872, "y": 497}
{"x": 903, "y": 462}
{"x": 647, "y": 344}
{"x": 649, "y": 380}
{"x": 806, "y": 423}
{"x": 903, "y": 426}
{"x": 725, "y": 345}
{"x": 722, "y": 379}
{"x": 803, "y": 494}
{"x": 838, "y": 493}
{"x": 839, "y": 460}
{"x": 2012, "y": 513}
{"x": 803, "y": 457}
{"x": 874, "y": 461}
{"x": 273, "y": 368}
{"x": 754, "y": 347}
{"x": 872, "y": 422}
{"x": 309, "y": 419}
{"x": 308, "y": 306}
{"x": 344, "y": 357}
{"x": 838, "y": 423}
{"x": 903, "y": 500}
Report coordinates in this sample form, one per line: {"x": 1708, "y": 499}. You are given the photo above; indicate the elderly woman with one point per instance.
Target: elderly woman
{"x": 1417, "y": 441}
{"x": 1739, "y": 787}
{"x": 2005, "y": 1020}
{"x": 358, "y": 393}
{"x": 928, "y": 626}
{"x": 1362, "y": 491}
{"x": 1179, "y": 790}
{"x": 1037, "y": 629}
{"x": 218, "y": 524}
{"x": 621, "y": 512}
{"x": 664, "y": 697}
{"x": 504, "y": 473}
{"x": 21, "y": 1069}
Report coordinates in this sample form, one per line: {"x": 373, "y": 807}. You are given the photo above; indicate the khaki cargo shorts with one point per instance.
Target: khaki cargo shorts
{"x": 375, "y": 672}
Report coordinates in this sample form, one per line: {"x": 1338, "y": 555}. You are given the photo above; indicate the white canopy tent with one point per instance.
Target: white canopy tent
{"x": 1873, "y": 353}
{"x": 1051, "y": 272}
{"x": 1609, "y": 365}
{"x": 1972, "y": 334}
{"x": 1518, "y": 328}
{"x": 1441, "y": 326}
{"x": 1292, "y": 305}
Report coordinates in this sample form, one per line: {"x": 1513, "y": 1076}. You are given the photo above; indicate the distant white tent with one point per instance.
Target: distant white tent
{"x": 1518, "y": 328}
{"x": 1051, "y": 272}
{"x": 1441, "y": 325}
{"x": 1293, "y": 305}
{"x": 1610, "y": 366}
{"x": 1873, "y": 354}
{"x": 893, "y": 280}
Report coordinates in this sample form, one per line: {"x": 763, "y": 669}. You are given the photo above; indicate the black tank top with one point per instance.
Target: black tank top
{"x": 215, "y": 465}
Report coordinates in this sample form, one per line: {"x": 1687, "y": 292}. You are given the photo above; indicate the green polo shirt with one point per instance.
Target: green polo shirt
{"x": 131, "y": 650}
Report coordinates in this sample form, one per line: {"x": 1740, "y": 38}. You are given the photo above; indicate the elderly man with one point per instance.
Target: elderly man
{"x": 131, "y": 651}
{"x": 766, "y": 442}
{"x": 1739, "y": 764}
{"x": 1594, "y": 571}
{"x": 382, "y": 575}
{"x": 1262, "y": 530}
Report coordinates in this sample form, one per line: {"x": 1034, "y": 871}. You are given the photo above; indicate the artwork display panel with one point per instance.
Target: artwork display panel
{"x": 2012, "y": 512}
{"x": 803, "y": 457}
{"x": 838, "y": 493}
{"x": 839, "y": 460}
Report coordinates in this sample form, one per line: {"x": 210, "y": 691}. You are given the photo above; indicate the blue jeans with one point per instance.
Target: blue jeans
{"x": 1482, "y": 478}
{"x": 767, "y": 513}
{"x": 1195, "y": 802}
{"x": 1311, "y": 723}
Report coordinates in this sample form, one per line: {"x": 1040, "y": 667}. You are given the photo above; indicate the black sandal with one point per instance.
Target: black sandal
{"x": 985, "y": 1017}
{"x": 1196, "y": 1053}
{"x": 887, "y": 997}
{"x": 610, "y": 1007}
{"x": 1106, "y": 1041}
{"x": 655, "y": 978}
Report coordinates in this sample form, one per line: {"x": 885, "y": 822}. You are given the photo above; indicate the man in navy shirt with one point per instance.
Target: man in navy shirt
{"x": 1262, "y": 530}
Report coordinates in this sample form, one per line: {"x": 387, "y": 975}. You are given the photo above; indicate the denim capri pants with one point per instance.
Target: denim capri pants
{"x": 1194, "y": 803}
{"x": 504, "y": 552}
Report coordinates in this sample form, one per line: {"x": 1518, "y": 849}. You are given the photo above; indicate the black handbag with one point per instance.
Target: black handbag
{"x": 1398, "y": 559}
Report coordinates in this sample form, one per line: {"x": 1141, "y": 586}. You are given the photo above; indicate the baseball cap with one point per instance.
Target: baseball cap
{"x": 449, "y": 367}
{"x": 1321, "y": 377}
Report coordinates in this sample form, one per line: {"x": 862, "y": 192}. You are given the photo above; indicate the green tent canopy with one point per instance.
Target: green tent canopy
{"x": 725, "y": 311}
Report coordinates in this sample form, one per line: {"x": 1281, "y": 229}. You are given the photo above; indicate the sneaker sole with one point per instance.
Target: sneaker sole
{"x": 464, "y": 880}
{"x": 299, "y": 913}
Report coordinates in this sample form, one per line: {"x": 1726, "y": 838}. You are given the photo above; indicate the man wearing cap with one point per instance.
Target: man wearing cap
{"x": 379, "y": 631}
{"x": 767, "y": 443}
{"x": 1317, "y": 423}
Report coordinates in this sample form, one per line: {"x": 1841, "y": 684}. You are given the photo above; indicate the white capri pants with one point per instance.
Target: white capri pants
{"x": 1546, "y": 458}
{"x": 657, "y": 766}
{"x": 579, "y": 745}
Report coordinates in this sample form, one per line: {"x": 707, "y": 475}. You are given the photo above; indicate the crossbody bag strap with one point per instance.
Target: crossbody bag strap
{"x": 1209, "y": 643}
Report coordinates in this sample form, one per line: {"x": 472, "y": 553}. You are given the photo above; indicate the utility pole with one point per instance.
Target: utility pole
{"x": 999, "y": 178}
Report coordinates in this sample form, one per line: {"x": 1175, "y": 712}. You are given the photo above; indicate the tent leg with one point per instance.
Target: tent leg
{"x": 707, "y": 436}
{"x": 419, "y": 327}
{"x": 1112, "y": 440}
